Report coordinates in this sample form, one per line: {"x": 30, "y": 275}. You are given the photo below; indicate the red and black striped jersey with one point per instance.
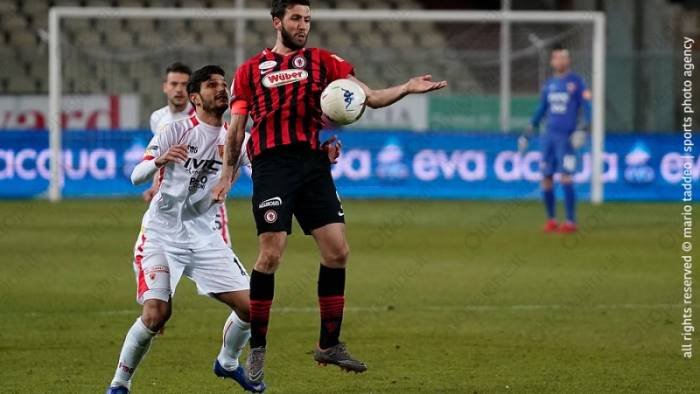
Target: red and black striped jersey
{"x": 282, "y": 95}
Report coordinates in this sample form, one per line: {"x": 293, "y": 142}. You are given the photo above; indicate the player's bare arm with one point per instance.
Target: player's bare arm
{"x": 332, "y": 147}
{"x": 385, "y": 97}
{"x": 151, "y": 191}
{"x": 232, "y": 152}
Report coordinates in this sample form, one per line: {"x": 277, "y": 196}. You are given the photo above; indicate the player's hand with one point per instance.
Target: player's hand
{"x": 423, "y": 84}
{"x": 523, "y": 143}
{"x": 578, "y": 139}
{"x": 332, "y": 146}
{"x": 176, "y": 153}
{"x": 220, "y": 190}
{"x": 149, "y": 193}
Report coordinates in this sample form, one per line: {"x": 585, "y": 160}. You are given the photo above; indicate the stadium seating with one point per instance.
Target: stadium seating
{"x": 142, "y": 48}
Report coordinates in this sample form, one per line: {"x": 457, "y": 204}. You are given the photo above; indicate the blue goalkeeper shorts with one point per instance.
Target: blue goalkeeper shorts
{"x": 558, "y": 156}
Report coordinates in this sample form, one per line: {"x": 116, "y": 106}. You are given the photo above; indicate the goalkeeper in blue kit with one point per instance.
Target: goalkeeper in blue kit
{"x": 562, "y": 98}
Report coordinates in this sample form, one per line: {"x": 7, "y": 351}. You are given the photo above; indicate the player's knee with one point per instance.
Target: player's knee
{"x": 338, "y": 257}
{"x": 156, "y": 314}
{"x": 268, "y": 261}
{"x": 243, "y": 313}
{"x": 567, "y": 179}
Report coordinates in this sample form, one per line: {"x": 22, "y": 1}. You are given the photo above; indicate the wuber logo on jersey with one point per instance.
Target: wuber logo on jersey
{"x": 284, "y": 77}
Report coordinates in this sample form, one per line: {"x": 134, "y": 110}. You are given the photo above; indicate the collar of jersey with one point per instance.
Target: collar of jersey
{"x": 207, "y": 126}
{"x": 269, "y": 50}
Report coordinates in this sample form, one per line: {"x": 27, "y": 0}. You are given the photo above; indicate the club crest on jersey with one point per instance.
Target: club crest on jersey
{"x": 283, "y": 77}
{"x": 266, "y": 67}
{"x": 570, "y": 87}
{"x": 299, "y": 61}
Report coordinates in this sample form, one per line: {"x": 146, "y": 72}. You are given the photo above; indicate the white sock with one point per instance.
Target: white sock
{"x": 136, "y": 344}
{"x": 236, "y": 335}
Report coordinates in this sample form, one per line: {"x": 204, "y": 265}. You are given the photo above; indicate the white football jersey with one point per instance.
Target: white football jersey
{"x": 163, "y": 116}
{"x": 182, "y": 211}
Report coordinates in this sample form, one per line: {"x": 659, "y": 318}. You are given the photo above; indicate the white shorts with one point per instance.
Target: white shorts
{"x": 221, "y": 224}
{"x": 158, "y": 268}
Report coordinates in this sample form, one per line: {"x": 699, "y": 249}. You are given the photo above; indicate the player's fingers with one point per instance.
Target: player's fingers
{"x": 438, "y": 85}
{"x": 179, "y": 156}
{"x": 179, "y": 153}
{"x": 179, "y": 148}
{"x": 218, "y": 194}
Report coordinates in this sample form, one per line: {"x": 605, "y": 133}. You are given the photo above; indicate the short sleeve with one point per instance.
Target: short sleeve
{"x": 240, "y": 91}
{"x": 339, "y": 68}
{"x": 161, "y": 142}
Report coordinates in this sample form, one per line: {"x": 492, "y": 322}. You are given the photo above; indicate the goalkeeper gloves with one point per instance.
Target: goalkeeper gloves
{"x": 523, "y": 143}
{"x": 578, "y": 137}
{"x": 524, "y": 139}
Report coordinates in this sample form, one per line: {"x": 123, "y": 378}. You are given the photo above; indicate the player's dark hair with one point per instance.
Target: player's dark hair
{"x": 202, "y": 75}
{"x": 279, "y": 7}
{"x": 178, "y": 67}
{"x": 558, "y": 47}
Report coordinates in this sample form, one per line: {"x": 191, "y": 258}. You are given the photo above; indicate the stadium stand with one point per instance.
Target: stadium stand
{"x": 94, "y": 49}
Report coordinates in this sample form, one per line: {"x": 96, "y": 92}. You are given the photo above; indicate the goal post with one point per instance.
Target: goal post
{"x": 241, "y": 15}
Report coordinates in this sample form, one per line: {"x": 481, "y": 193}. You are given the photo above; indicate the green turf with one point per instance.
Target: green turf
{"x": 443, "y": 297}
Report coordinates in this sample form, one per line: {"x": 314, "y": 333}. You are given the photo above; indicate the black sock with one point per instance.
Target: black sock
{"x": 262, "y": 290}
{"x": 331, "y": 300}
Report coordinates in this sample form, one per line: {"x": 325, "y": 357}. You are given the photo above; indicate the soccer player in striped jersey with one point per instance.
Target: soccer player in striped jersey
{"x": 176, "y": 236}
{"x": 280, "y": 89}
{"x": 563, "y": 96}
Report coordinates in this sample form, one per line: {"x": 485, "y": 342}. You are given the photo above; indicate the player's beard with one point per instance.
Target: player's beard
{"x": 214, "y": 108}
{"x": 288, "y": 40}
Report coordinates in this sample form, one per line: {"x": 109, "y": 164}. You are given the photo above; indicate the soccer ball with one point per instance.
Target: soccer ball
{"x": 343, "y": 101}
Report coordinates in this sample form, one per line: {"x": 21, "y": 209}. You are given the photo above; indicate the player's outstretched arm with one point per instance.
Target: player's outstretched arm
{"x": 232, "y": 152}
{"x": 385, "y": 97}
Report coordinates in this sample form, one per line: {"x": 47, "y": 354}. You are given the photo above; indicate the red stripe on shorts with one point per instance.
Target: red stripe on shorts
{"x": 141, "y": 285}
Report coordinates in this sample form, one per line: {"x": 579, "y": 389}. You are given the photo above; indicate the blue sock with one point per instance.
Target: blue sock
{"x": 570, "y": 202}
{"x": 549, "y": 203}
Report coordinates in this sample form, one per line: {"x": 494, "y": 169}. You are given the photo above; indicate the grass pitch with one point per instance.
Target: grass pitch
{"x": 443, "y": 297}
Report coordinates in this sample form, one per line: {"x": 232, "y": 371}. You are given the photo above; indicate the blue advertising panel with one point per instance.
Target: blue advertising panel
{"x": 396, "y": 164}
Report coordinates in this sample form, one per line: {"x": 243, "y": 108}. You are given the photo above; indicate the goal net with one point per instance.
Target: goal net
{"x": 119, "y": 56}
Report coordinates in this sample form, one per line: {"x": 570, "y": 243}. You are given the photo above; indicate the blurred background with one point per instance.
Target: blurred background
{"x": 113, "y": 68}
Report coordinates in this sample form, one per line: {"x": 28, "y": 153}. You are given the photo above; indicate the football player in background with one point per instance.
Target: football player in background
{"x": 179, "y": 107}
{"x": 563, "y": 96}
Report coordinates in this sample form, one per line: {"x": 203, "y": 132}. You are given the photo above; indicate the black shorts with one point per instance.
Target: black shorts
{"x": 294, "y": 179}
